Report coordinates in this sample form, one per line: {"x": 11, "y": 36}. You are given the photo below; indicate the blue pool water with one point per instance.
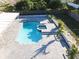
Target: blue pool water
{"x": 28, "y": 33}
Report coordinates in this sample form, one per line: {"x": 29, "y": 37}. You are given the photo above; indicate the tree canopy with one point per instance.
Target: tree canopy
{"x": 21, "y": 5}
{"x": 28, "y": 5}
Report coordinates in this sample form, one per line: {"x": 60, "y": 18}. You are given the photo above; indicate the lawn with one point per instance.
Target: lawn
{"x": 75, "y": 11}
{"x": 72, "y": 24}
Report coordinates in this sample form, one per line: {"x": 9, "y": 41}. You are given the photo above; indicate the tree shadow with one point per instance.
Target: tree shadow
{"x": 42, "y": 49}
{"x": 64, "y": 56}
{"x": 61, "y": 39}
{"x": 52, "y": 32}
{"x": 64, "y": 43}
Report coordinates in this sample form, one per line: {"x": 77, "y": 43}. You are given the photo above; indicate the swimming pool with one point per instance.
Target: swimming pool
{"x": 28, "y": 33}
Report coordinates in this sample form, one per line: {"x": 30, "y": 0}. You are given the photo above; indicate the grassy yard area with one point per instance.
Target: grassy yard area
{"x": 75, "y": 11}
{"x": 72, "y": 24}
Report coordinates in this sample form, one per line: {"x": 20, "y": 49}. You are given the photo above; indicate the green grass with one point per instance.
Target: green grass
{"x": 72, "y": 24}
{"x": 75, "y": 11}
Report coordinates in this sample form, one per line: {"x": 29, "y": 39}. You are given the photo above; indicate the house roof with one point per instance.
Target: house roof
{"x": 6, "y": 19}
{"x": 76, "y": 6}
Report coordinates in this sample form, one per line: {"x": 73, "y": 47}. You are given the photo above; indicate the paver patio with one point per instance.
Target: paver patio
{"x": 14, "y": 50}
{"x": 47, "y": 48}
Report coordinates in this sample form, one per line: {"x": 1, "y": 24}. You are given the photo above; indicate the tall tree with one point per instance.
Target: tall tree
{"x": 37, "y": 4}
{"x": 76, "y": 1}
{"x": 55, "y": 4}
{"x": 21, "y": 6}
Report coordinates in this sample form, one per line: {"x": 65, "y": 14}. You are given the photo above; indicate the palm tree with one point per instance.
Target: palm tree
{"x": 60, "y": 31}
{"x": 73, "y": 51}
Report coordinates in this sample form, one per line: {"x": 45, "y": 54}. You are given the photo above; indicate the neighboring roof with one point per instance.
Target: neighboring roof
{"x": 8, "y": 16}
{"x": 76, "y": 6}
{"x": 6, "y": 19}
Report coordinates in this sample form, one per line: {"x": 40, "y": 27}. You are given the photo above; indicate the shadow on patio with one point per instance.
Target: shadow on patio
{"x": 42, "y": 50}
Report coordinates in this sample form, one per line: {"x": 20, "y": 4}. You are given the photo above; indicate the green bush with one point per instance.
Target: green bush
{"x": 47, "y": 1}
{"x": 76, "y": 1}
{"x": 73, "y": 51}
{"x": 38, "y": 5}
{"x": 22, "y": 6}
{"x": 9, "y": 8}
{"x": 29, "y": 5}
{"x": 55, "y": 4}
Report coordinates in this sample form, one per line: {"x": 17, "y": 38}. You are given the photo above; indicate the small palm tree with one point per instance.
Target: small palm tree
{"x": 72, "y": 52}
{"x": 60, "y": 31}
{"x": 50, "y": 16}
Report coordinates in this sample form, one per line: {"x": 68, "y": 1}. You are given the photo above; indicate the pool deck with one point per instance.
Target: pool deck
{"x": 54, "y": 48}
{"x": 16, "y": 51}
{"x": 49, "y": 26}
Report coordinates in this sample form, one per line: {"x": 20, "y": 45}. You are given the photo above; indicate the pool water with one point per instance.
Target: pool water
{"x": 42, "y": 27}
{"x": 28, "y": 33}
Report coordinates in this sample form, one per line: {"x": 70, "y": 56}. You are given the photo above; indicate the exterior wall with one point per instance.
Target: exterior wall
{"x": 9, "y": 34}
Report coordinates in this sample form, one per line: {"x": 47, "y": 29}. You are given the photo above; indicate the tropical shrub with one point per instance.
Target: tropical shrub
{"x": 59, "y": 32}
{"x": 72, "y": 52}
{"x": 9, "y": 8}
{"x": 76, "y": 1}
{"x": 29, "y": 5}
{"x": 38, "y": 5}
{"x": 22, "y": 6}
{"x": 55, "y": 4}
